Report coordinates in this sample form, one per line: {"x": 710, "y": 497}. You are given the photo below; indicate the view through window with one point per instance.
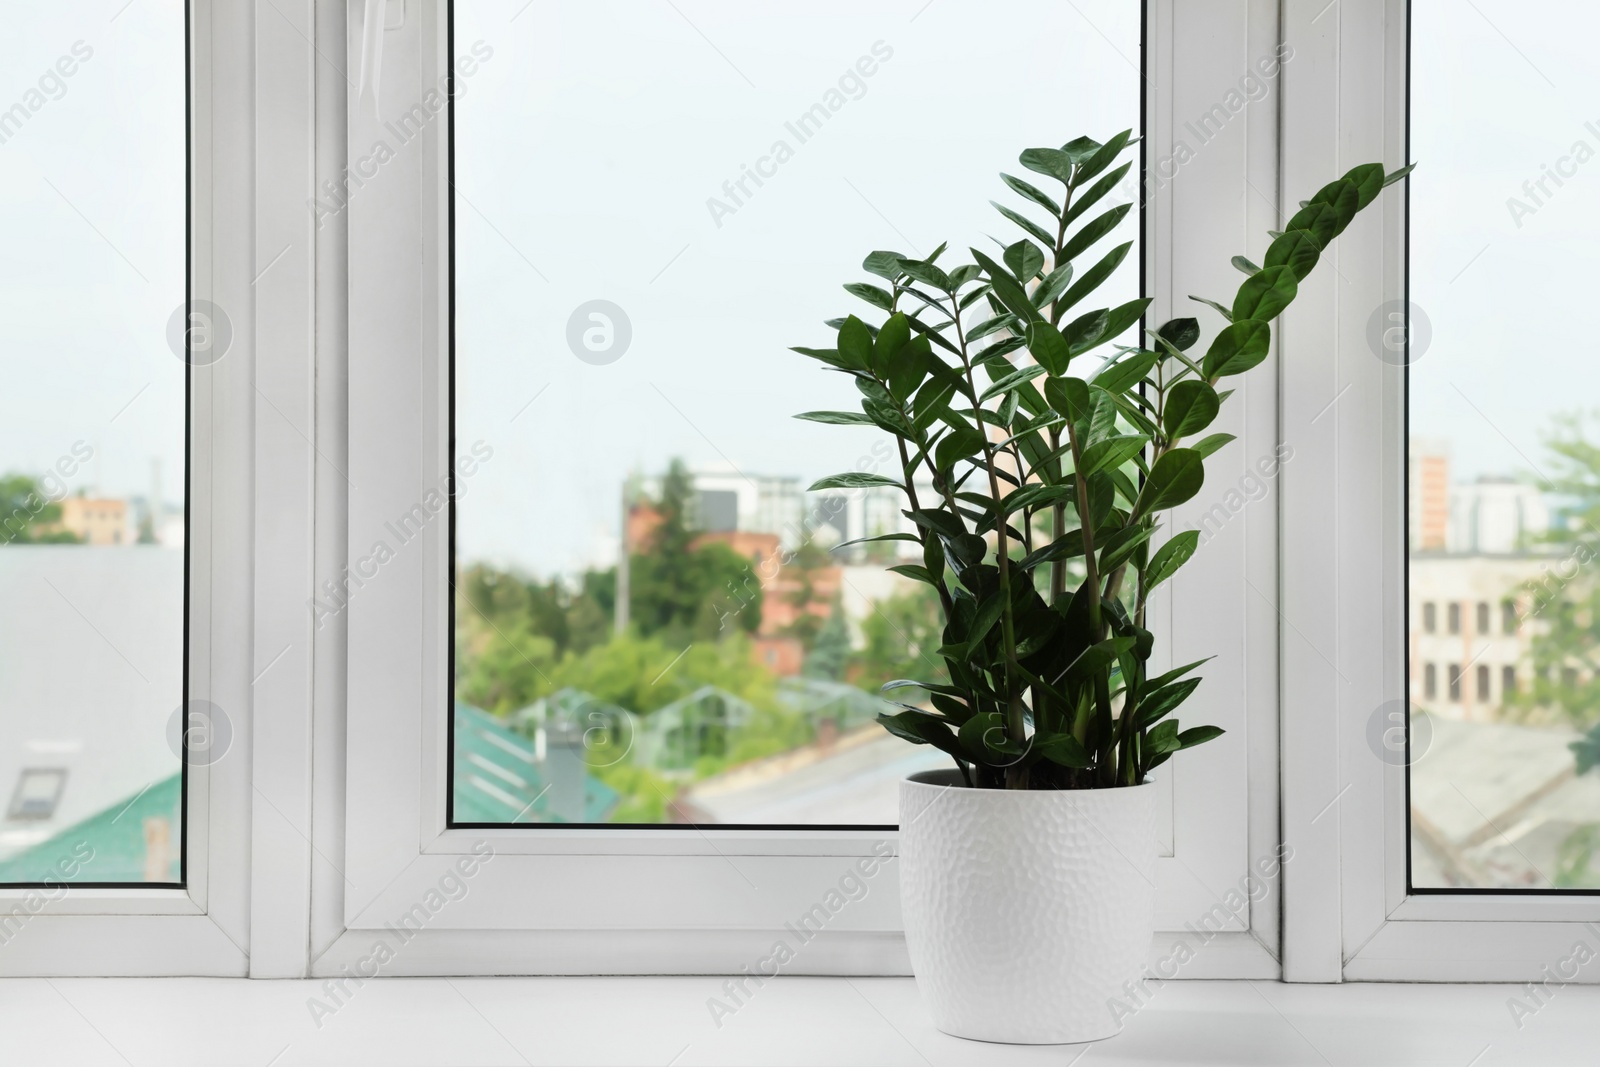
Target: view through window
{"x": 93, "y": 418}
{"x": 1504, "y": 464}
{"x": 654, "y": 621}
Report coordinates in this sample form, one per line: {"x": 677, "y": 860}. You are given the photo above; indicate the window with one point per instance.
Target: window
{"x": 1496, "y": 802}
{"x": 1430, "y": 620}
{"x": 1430, "y": 681}
{"x": 1455, "y": 684}
{"x": 1455, "y": 618}
{"x": 99, "y": 339}
{"x": 656, "y": 621}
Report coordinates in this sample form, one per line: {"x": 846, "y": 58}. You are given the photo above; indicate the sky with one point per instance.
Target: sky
{"x": 1500, "y": 91}
{"x": 590, "y": 143}
{"x": 587, "y": 148}
{"x": 92, "y": 208}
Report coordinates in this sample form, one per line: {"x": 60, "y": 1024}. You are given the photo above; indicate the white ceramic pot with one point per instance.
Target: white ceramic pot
{"x": 1025, "y": 910}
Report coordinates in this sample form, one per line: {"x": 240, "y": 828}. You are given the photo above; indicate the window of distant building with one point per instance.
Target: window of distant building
{"x": 1483, "y": 617}
{"x": 1455, "y": 684}
{"x": 1508, "y": 682}
{"x": 1455, "y": 618}
{"x": 1430, "y": 682}
{"x": 1508, "y": 616}
{"x": 1430, "y": 618}
{"x": 1483, "y": 681}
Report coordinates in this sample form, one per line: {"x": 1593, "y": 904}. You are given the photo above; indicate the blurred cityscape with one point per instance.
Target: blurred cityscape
{"x": 1500, "y": 679}
{"x": 91, "y": 655}
{"x": 723, "y": 668}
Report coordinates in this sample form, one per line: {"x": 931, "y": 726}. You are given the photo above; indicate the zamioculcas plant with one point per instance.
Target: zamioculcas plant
{"x": 1036, "y": 470}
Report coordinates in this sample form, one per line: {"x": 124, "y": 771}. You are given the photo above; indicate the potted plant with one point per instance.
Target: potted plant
{"x": 1036, "y": 455}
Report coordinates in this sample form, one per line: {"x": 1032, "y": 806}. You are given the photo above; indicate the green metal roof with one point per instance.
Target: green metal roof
{"x": 117, "y": 836}
{"x": 498, "y": 779}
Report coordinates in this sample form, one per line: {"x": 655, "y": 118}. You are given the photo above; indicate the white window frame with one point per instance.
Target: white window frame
{"x": 553, "y": 900}
{"x": 1349, "y": 913}
{"x": 249, "y": 490}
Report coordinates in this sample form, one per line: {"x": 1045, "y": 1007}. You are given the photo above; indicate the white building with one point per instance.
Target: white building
{"x": 1496, "y": 515}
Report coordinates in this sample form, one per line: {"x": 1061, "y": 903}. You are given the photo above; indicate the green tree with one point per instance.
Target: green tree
{"x": 902, "y": 637}
{"x": 830, "y": 652}
{"x": 26, "y": 514}
{"x": 1563, "y": 606}
{"x": 686, "y": 592}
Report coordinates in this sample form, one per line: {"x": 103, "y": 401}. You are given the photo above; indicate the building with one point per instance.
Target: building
{"x": 1428, "y": 486}
{"x": 728, "y": 500}
{"x": 97, "y": 521}
{"x": 1496, "y": 515}
{"x": 1469, "y": 630}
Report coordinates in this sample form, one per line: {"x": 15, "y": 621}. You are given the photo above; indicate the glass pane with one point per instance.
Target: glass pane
{"x": 653, "y": 203}
{"x": 1504, "y": 470}
{"x": 93, "y": 187}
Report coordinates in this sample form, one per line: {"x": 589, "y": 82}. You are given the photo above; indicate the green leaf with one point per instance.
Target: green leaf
{"x": 1103, "y": 156}
{"x": 1245, "y": 265}
{"x": 926, "y": 272}
{"x": 1157, "y": 702}
{"x": 1049, "y": 347}
{"x": 1191, "y": 405}
{"x": 891, "y": 336}
{"x": 836, "y": 418}
{"x": 1083, "y": 332}
{"x": 1034, "y": 193}
{"x": 1264, "y": 295}
{"x": 1080, "y": 149}
{"x": 1055, "y": 283}
{"x": 1163, "y": 739}
{"x": 1119, "y": 319}
{"x": 1368, "y": 180}
{"x": 1397, "y": 175}
{"x": 853, "y": 480}
{"x": 1126, "y": 372}
{"x": 1093, "y": 195}
{"x": 940, "y": 522}
{"x": 1012, "y": 380}
{"x": 956, "y": 446}
{"x": 1068, "y": 397}
{"x": 1094, "y": 231}
{"x": 1175, "y": 477}
{"x": 1024, "y": 259}
{"x": 1320, "y": 220}
{"x": 1051, "y": 162}
{"x": 883, "y": 264}
{"x": 1344, "y": 198}
{"x": 1180, "y": 333}
{"x": 1224, "y": 312}
{"x": 876, "y": 537}
{"x": 1199, "y": 735}
{"x": 855, "y": 343}
{"x": 984, "y": 738}
{"x": 873, "y": 295}
{"x": 1207, "y": 445}
{"x": 1006, "y": 289}
{"x": 1096, "y": 658}
{"x": 963, "y": 275}
{"x": 922, "y": 729}
{"x": 1094, "y": 276}
{"x": 1033, "y": 229}
{"x": 911, "y": 570}
{"x": 1121, "y": 546}
{"x": 1298, "y": 250}
{"x": 1063, "y": 749}
{"x": 1237, "y": 348}
{"x": 829, "y": 356}
{"x": 1170, "y": 556}
{"x": 1111, "y": 453}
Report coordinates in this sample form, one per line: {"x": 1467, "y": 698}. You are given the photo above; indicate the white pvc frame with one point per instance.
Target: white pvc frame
{"x": 555, "y": 901}
{"x": 1348, "y": 912}
{"x": 248, "y": 507}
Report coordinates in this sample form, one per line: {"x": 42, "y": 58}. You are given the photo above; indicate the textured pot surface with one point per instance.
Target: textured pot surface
{"x": 1025, "y": 911}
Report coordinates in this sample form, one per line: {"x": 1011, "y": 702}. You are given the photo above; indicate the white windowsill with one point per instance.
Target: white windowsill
{"x": 491, "y": 1021}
